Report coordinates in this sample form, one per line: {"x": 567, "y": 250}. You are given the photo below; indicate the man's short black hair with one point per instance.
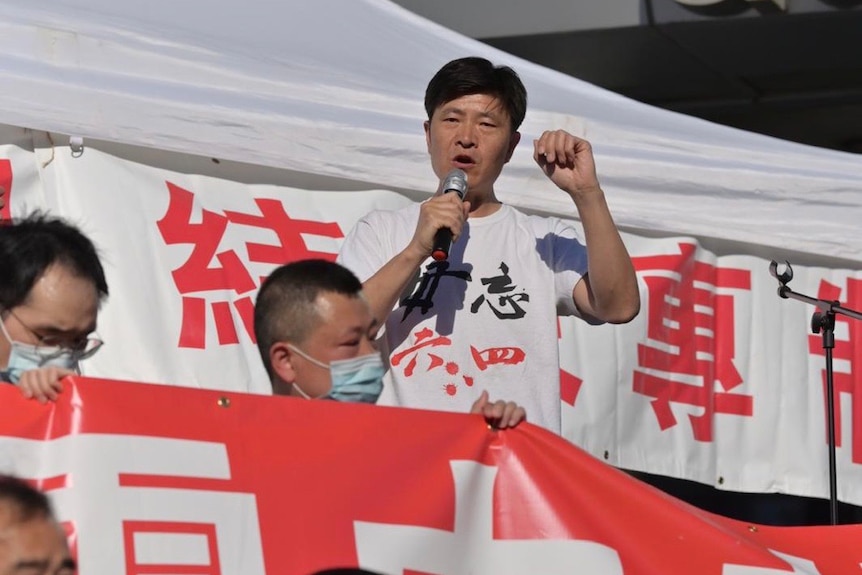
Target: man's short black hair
{"x": 24, "y": 501}
{"x": 474, "y": 75}
{"x": 285, "y": 309}
{"x": 30, "y": 245}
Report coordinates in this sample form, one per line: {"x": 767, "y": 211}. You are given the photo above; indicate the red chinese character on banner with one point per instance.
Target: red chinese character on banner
{"x": 6, "y": 184}
{"x": 291, "y": 245}
{"x": 849, "y": 349}
{"x": 691, "y": 333}
{"x": 199, "y": 274}
{"x": 570, "y": 384}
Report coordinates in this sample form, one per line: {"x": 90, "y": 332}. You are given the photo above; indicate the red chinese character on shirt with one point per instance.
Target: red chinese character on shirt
{"x": 425, "y": 338}
{"x": 199, "y": 274}
{"x": 496, "y": 356}
{"x": 691, "y": 333}
{"x": 849, "y": 349}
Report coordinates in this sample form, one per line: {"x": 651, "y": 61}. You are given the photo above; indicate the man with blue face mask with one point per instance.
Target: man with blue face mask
{"x": 315, "y": 333}
{"x": 51, "y": 287}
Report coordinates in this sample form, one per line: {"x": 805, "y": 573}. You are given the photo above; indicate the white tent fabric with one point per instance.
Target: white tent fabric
{"x": 332, "y": 89}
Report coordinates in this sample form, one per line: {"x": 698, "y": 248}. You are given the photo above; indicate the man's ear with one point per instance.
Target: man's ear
{"x": 427, "y": 125}
{"x": 513, "y": 143}
{"x": 281, "y": 360}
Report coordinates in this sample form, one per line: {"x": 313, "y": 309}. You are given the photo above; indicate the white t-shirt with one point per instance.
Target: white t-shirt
{"x": 485, "y": 319}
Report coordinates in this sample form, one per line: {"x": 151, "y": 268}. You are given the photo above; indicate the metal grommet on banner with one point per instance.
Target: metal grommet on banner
{"x": 224, "y": 402}
{"x": 721, "y": 480}
{"x": 76, "y": 143}
{"x": 753, "y": 528}
{"x": 607, "y": 455}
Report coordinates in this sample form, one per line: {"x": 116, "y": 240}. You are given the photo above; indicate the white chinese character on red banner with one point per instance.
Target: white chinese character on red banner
{"x": 846, "y": 383}
{"x": 144, "y": 504}
{"x": 691, "y": 340}
{"x": 471, "y": 547}
{"x": 799, "y": 565}
{"x": 199, "y": 275}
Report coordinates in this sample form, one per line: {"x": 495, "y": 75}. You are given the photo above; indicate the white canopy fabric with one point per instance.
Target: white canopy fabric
{"x": 331, "y": 91}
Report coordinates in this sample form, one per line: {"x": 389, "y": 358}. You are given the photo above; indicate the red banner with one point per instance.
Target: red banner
{"x": 159, "y": 479}
{"x": 6, "y": 186}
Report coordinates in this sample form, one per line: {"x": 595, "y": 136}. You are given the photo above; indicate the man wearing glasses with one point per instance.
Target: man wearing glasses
{"x": 51, "y": 286}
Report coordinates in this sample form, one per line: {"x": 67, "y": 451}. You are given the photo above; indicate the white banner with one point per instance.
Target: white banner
{"x": 718, "y": 380}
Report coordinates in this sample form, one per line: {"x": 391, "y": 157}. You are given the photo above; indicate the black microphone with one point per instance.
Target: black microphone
{"x": 455, "y": 181}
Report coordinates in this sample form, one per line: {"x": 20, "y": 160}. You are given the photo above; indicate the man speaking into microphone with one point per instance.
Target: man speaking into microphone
{"x": 467, "y": 288}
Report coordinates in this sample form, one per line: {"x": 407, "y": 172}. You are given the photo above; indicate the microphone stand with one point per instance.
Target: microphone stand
{"x": 823, "y": 321}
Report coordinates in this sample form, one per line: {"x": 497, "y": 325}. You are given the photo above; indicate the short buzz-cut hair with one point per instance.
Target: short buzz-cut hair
{"x": 31, "y": 244}
{"x": 474, "y": 75}
{"x": 24, "y": 502}
{"x": 285, "y": 309}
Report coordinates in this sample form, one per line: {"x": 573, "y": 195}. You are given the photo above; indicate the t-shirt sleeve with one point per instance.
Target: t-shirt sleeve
{"x": 362, "y": 251}
{"x": 570, "y": 265}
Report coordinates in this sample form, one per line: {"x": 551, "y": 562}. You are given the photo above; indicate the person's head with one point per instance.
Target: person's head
{"x": 315, "y": 333}
{"x": 31, "y": 540}
{"x": 474, "y": 111}
{"x": 51, "y": 287}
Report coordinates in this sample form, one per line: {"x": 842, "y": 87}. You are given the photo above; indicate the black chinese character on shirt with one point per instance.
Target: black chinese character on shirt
{"x": 423, "y": 297}
{"x": 507, "y": 303}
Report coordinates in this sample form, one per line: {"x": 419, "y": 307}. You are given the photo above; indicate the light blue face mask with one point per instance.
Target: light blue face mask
{"x": 355, "y": 380}
{"x": 24, "y": 357}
